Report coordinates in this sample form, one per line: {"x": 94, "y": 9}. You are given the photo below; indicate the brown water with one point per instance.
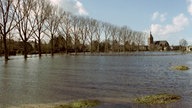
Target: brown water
{"x": 113, "y": 79}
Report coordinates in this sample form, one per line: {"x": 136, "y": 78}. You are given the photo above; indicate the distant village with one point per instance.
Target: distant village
{"x": 163, "y": 45}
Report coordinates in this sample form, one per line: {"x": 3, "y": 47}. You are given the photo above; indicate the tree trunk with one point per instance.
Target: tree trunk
{"x": 52, "y": 52}
{"x": 39, "y": 46}
{"x": 75, "y": 45}
{"x": 1, "y": 40}
{"x": 83, "y": 47}
{"x": 6, "y": 52}
{"x": 66, "y": 45}
{"x": 91, "y": 45}
{"x": 98, "y": 46}
{"x": 25, "y": 50}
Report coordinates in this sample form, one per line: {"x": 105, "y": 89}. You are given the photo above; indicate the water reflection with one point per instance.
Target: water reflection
{"x": 114, "y": 79}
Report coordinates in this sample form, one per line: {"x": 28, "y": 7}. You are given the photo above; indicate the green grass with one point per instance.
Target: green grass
{"x": 181, "y": 68}
{"x": 157, "y": 99}
{"x": 80, "y": 104}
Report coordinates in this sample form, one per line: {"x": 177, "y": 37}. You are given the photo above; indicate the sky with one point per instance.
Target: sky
{"x": 169, "y": 20}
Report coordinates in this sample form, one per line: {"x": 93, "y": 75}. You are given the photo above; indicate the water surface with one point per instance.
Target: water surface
{"x": 114, "y": 79}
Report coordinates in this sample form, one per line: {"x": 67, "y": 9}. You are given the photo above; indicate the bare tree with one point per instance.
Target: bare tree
{"x": 129, "y": 39}
{"x": 1, "y": 42}
{"x": 76, "y": 31}
{"x": 65, "y": 28}
{"x": 107, "y": 31}
{"x": 99, "y": 29}
{"x": 25, "y": 26}
{"x": 91, "y": 32}
{"x": 83, "y": 28}
{"x": 114, "y": 33}
{"x": 122, "y": 35}
{"x": 7, "y": 21}
{"x": 41, "y": 12}
{"x": 183, "y": 44}
{"x": 125, "y": 34}
{"x": 119, "y": 39}
{"x": 52, "y": 25}
{"x": 139, "y": 39}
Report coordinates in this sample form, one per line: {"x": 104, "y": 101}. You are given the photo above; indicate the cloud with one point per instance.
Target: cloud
{"x": 178, "y": 24}
{"x": 73, "y": 6}
{"x": 158, "y": 16}
{"x": 80, "y": 8}
{"x": 55, "y": 2}
{"x": 190, "y": 6}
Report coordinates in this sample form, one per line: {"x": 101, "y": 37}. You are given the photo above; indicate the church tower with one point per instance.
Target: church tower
{"x": 150, "y": 39}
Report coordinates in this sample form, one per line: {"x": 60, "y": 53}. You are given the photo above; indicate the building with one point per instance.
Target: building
{"x": 150, "y": 40}
{"x": 189, "y": 48}
{"x": 160, "y": 45}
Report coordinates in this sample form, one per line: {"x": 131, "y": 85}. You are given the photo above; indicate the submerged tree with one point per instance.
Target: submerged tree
{"x": 83, "y": 29}
{"x": 52, "y": 25}
{"x": 7, "y": 21}
{"x": 26, "y": 26}
{"x": 91, "y": 31}
{"x": 75, "y": 31}
{"x": 41, "y": 12}
{"x": 65, "y": 28}
{"x": 107, "y": 30}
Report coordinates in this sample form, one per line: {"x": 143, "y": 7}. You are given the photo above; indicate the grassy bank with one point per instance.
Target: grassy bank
{"x": 74, "y": 104}
{"x": 180, "y": 68}
{"x": 157, "y": 99}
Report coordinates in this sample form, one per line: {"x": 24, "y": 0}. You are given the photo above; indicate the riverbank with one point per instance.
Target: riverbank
{"x": 145, "y": 53}
{"x": 130, "y": 54}
{"x": 99, "y": 103}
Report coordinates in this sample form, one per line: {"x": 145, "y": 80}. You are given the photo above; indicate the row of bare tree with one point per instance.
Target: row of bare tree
{"x": 37, "y": 19}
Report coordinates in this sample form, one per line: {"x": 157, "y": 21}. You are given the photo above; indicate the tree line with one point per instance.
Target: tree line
{"x": 39, "y": 19}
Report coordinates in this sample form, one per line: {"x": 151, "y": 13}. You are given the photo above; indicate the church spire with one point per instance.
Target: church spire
{"x": 150, "y": 39}
{"x": 150, "y": 34}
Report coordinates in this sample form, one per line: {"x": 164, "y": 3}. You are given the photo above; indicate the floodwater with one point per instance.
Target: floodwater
{"x": 115, "y": 80}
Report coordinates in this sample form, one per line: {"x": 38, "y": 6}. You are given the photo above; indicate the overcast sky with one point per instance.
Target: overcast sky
{"x": 169, "y": 20}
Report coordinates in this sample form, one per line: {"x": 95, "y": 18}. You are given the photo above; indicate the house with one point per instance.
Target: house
{"x": 189, "y": 48}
